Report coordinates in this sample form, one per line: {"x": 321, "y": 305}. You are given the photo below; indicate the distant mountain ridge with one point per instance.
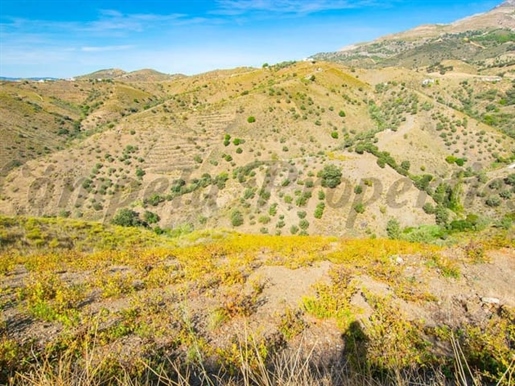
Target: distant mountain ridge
{"x": 34, "y": 79}
{"x": 143, "y": 75}
{"x": 474, "y": 39}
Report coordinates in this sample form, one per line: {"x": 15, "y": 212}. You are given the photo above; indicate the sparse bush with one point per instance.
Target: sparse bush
{"x": 493, "y": 201}
{"x": 236, "y": 218}
{"x": 319, "y": 211}
{"x": 264, "y": 219}
{"x": 359, "y": 208}
{"x": 304, "y": 224}
{"x": 405, "y": 165}
{"x": 150, "y": 217}
{"x": 393, "y": 229}
{"x": 428, "y": 208}
{"x": 331, "y": 176}
{"x": 140, "y": 173}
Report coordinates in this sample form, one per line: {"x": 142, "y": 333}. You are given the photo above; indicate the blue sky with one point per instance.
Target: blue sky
{"x": 63, "y": 38}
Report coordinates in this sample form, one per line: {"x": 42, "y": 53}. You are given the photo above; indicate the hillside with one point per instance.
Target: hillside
{"x": 343, "y": 220}
{"x": 83, "y": 302}
{"x": 485, "y": 41}
{"x": 301, "y": 147}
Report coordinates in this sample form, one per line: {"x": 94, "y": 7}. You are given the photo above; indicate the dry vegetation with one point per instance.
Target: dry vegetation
{"x": 256, "y": 142}
{"x": 84, "y": 303}
{"x": 373, "y": 206}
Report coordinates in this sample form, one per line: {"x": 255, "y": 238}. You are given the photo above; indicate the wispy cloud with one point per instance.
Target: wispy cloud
{"x": 111, "y": 20}
{"x": 106, "y": 48}
{"x": 292, "y": 7}
{"x": 107, "y": 23}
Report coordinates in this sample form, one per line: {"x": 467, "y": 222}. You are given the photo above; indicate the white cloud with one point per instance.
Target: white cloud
{"x": 293, "y": 7}
{"x": 106, "y": 48}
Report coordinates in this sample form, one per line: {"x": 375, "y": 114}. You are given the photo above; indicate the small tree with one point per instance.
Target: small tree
{"x": 150, "y": 217}
{"x": 331, "y": 176}
{"x": 127, "y": 218}
{"x": 441, "y": 215}
{"x": 359, "y": 208}
{"x": 510, "y": 180}
{"x": 140, "y": 172}
{"x": 236, "y": 218}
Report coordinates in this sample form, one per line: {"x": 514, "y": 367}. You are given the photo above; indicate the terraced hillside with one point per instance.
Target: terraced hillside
{"x": 293, "y": 148}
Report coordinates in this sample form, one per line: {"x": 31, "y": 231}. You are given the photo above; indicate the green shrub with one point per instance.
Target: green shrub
{"x": 150, "y": 217}
{"x": 331, "y": 176}
{"x": 405, "y": 165}
{"x": 236, "y": 218}
{"x": 493, "y": 201}
{"x": 304, "y": 224}
{"x": 393, "y": 229}
{"x": 441, "y": 215}
{"x": 429, "y": 208}
{"x": 127, "y": 218}
{"x": 319, "y": 211}
{"x": 359, "y": 208}
{"x": 264, "y": 219}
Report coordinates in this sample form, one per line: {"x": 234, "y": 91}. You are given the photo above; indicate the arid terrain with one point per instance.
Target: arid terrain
{"x": 346, "y": 219}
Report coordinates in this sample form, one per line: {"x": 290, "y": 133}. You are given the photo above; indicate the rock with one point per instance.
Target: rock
{"x": 490, "y": 300}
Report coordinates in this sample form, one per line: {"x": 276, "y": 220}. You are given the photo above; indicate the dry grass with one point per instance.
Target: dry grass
{"x": 136, "y": 308}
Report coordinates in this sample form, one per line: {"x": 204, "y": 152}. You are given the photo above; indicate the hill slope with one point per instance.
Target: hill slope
{"x": 294, "y": 148}
{"x": 485, "y": 41}
{"x": 85, "y": 301}
{"x": 254, "y": 147}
